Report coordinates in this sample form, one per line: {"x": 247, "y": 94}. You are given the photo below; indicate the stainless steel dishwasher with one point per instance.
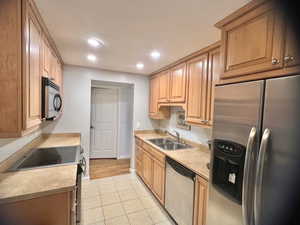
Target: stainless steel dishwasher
{"x": 179, "y": 196}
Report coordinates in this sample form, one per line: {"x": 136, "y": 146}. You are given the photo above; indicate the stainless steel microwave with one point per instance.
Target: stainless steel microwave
{"x": 51, "y": 99}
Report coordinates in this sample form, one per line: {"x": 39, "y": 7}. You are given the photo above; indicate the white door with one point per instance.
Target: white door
{"x": 104, "y": 124}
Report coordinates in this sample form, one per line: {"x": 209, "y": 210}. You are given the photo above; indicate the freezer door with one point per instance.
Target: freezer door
{"x": 277, "y": 183}
{"x": 238, "y": 108}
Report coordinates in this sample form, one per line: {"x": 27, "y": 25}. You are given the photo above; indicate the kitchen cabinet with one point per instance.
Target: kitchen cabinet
{"x": 164, "y": 85}
{"x": 197, "y": 89}
{"x": 291, "y": 51}
{"x": 22, "y": 61}
{"x": 154, "y": 111}
{"x": 150, "y": 166}
{"x": 47, "y": 210}
{"x": 32, "y": 74}
{"x": 46, "y": 59}
{"x": 246, "y": 56}
{"x": 147, "y": 169}
{"x": 159, "y": 180}
{"x": 177, "y": 84}
{"x": 203, "y": 73}
{"x": 243, "y": 51}
{"x": 200, "y": 202}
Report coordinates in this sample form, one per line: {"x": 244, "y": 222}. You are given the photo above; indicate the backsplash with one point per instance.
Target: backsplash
{"x": 196, "y": 134}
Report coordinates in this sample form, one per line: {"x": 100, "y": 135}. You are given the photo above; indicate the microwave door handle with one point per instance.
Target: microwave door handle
{"x": 247, "y": 171}
{"x": 259, "y": 175}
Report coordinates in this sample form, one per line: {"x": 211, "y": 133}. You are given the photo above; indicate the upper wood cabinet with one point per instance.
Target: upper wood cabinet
{"x": 33, "y": 69}
{"x": 164, "y": 87}
{"x": 291, "y": 51}
{"x": 177, "y": 84}
{"x": 197, "y": 89}
{"x": 252, "y": 42}
{"x": 22, "y": 64}
{"x": 203, "y": 73}
{"x": 154, "y": 111}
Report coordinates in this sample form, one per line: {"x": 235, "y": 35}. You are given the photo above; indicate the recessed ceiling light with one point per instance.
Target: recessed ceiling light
{"x": 155, "y": 54}
{"x": 140, "y": 66}
{"x": 94, "y": 42}
{"x": 91, "y": 57}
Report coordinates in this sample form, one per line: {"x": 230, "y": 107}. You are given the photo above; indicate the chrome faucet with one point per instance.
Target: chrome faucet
{"x": 177, "y": 135}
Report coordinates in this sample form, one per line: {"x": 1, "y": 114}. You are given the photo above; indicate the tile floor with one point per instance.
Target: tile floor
{"x": 120, "y": 200}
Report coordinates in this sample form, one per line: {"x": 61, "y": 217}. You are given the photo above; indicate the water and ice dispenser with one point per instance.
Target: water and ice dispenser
{"x": 228, "y": 167}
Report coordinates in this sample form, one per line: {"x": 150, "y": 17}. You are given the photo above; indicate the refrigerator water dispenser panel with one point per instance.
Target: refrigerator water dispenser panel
{"x": 228, "y": 167}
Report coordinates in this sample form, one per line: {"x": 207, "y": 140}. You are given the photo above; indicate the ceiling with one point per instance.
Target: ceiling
{"x": 131, "y": 29}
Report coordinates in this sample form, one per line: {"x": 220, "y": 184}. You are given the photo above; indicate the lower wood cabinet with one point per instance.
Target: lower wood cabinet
{"x": 200, "y": 202}
{"x": 147, "y": 169}
{"x": 158, "y": 185}
{"x": 53, "y": 209}
{"x": 150, "y": 166}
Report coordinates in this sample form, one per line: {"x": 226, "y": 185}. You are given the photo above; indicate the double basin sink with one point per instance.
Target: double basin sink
{"x": 169, "y": 144}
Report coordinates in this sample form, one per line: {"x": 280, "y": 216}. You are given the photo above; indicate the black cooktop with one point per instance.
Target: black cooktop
{"x": 43, "y": 157}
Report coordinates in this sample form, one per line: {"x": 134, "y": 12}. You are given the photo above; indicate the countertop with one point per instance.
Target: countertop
{"x": 195, "y": 158}
{"x": 28, "y": 184}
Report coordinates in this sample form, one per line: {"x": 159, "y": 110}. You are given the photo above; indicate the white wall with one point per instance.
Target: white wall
{"x": 77, "y": 100}
{"x": 196, "y": 134}
{"x": 125, "y": 122}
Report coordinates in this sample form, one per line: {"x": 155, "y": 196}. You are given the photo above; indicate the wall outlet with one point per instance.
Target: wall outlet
{"x": 138, "y": 125}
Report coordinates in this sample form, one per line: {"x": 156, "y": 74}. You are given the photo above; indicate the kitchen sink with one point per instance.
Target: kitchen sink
{"x": 168, "y": 144}
{"x": 45, "y": 157}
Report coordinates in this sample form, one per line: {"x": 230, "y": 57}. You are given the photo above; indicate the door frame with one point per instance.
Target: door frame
{"x": 118, "y": 116}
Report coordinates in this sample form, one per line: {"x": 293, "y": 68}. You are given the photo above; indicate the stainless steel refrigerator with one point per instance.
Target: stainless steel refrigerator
{"x": 255, "y": 159}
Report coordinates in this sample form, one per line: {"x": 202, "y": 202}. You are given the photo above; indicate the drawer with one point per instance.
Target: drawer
{"x": 154, "y": 153}
{"x": 138, "y": 141}
{"x": 138, "y": 153}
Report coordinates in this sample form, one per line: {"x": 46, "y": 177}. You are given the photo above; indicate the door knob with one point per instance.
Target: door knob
{"x": 92, "y": 127}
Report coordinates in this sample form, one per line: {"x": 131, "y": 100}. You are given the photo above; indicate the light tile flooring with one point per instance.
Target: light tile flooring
{"x": 120, "y": 200}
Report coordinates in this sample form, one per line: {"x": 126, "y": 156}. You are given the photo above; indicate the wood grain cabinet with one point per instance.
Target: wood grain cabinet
{"x": 164, "y": 87}
{"x": 252, "y": 42}
{"x": 23, "y": 60}
{"x": 32, "y": 70}
{"x": 147, "y": 169}
{"x": 177, "y": 84}
{"x": 257, "y": 43}
{"x": 203, "y": 73}
{"x": 150, "y": 166}
{"x": 200, "y": 202}
{"x": 154, "y": 111}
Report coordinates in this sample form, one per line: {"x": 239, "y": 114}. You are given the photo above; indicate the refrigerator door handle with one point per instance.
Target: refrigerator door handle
{"x": 259, "y": 175}
{"x": 247, "y": 170}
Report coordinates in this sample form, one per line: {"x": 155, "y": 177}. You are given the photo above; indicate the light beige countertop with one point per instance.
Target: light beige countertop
{"x": 195, "y": 158}
{"x": 32, "y": 183}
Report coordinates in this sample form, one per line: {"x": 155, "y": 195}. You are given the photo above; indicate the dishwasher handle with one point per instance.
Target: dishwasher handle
{"x": 180, "y": 168}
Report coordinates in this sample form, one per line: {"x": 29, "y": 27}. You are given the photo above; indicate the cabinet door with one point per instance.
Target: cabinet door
{"x": 159, "y": 180}
{"x": 291, "y": 53}
{"x": 46, "y": 59}
{"x": 197, "y": 89}
{"x": 53, "y": 67}
{"x": 201, "y": 191}
{"x": 252, "y": 43}
{"x": 154, "y": 92}
{"x": 164, "y": 87}
{"x": 33, "y": 70}
{"x": 147, "y": 169}
{"x": 178, "y": 83}
{"x": 213, "y": 78}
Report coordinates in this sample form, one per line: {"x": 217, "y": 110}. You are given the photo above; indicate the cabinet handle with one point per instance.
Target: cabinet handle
{"x": 288, "y": 59}
{"x": 275, "y": 61}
